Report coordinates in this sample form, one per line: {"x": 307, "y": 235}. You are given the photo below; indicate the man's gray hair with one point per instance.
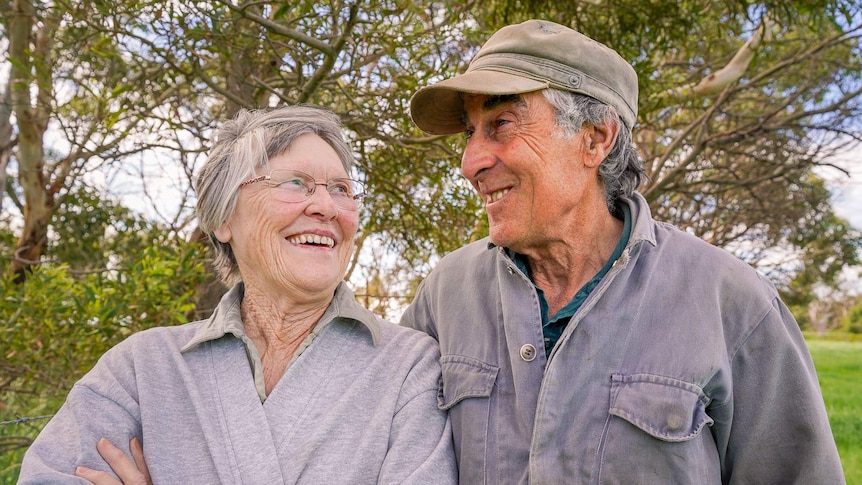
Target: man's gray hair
{"x": 622, "y": 171}
{"x": 242, "y": 149}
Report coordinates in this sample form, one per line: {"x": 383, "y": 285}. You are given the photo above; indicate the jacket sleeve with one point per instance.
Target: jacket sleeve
{"x": 420, "y": 442}
{"x": 417, "y": 315}
{"x": 779, "y": 431}
{"x": 99, "y": 405}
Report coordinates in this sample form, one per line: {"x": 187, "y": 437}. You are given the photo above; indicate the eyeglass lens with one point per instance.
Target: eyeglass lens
{"x": 296, "y": 186}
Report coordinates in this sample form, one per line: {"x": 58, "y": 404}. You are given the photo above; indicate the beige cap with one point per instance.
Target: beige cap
{"x": 526, "y": 57}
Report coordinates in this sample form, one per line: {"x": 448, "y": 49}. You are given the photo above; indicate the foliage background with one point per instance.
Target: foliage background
{"x": 108, "y": 108}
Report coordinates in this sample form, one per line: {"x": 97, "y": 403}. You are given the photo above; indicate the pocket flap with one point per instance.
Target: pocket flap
{"x": 666, "y": 408}
{"x": 464, "y": 377}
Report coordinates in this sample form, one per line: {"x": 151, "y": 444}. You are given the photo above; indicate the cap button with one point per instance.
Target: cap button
{"x": 528, "y": 352}
{"x": 574, "y": 80}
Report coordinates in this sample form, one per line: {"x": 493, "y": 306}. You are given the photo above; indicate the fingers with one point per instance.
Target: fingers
{"x": 95, "y": 477}
{"x": 137, "y": 450}
{"x": 120, "y": 463}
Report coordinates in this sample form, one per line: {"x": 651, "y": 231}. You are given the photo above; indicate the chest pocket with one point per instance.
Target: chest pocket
{"x": 466, "y": 394}
{"x": 463, "y": 378}
{"x": 656, "y": 432}
{"x": 665, "y": 408}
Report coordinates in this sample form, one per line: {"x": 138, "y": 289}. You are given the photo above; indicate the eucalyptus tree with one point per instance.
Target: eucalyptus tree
{"x": 78, "y": 99}
{"x": 740, "y": 101}
{"x": 361, "y": 59}
{"x": 156, "y": 77}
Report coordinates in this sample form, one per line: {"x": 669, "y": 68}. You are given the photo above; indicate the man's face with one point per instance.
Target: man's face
{"x": 533, "y": 180}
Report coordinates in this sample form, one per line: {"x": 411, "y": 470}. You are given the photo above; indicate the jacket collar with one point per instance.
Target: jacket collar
{"x": 642, "y": 223}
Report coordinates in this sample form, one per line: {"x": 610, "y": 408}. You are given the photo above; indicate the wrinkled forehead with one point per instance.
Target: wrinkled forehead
{"x": 477, "y": 104}
{"x": 311, "y": 154}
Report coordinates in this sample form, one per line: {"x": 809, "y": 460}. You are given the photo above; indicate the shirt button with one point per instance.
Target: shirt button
{"x": 675, "y": 422}
{"x": 528, "y": 352}
{"x": 511, "y": 270}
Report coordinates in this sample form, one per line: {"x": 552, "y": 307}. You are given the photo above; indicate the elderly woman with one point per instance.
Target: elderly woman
{"x": 290, "y": 380}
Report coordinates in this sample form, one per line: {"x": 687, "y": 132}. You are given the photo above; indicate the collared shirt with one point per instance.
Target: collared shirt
{"x": 358, "y": 406}
{"x": 681, "y": 366}
{"x": 553, "y": 326}
{"x": 231, "y": 323}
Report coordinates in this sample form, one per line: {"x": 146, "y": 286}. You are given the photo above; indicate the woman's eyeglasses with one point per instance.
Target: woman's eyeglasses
{"x": 295, "y": 186}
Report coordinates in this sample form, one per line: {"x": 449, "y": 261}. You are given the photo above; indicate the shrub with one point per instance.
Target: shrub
{"x": 59, "y": 322}
{"x": 853, "y": 321}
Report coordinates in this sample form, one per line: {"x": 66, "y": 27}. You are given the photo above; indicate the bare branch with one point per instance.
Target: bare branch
{"x": 279, "y": 29}
{"x": 730, "y": 73}
{"x": 329, "y": 60}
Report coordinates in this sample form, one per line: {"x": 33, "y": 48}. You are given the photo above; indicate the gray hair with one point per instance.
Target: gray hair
{"x": 622, "y": 172}
{"x": 242, "y": 149}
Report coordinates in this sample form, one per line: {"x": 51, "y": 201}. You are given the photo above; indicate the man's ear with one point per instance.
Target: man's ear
{"x": 599, "y": 141}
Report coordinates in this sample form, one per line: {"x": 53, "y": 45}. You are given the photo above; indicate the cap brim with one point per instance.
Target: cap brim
{"x": 438, "y": 109}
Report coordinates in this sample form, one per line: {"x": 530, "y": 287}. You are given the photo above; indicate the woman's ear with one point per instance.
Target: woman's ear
{"x": 223, "y": 233}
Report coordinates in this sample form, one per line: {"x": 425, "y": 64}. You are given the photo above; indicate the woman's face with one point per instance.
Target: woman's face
{"x": 298, "y": 250}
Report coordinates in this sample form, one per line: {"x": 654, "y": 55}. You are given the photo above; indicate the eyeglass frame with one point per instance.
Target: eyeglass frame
{"x": 358, "y": 197}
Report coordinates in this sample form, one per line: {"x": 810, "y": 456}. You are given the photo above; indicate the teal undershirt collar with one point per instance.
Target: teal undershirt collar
{"x": 552, "y": 327}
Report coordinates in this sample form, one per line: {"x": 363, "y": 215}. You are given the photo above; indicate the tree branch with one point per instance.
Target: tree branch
{"x": 730, "y": 73}
{"x": 276, "y": 28}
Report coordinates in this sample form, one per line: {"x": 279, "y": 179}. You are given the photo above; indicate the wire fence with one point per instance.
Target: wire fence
{"x": 19, "y": 439}
{"x": 25, "y": 419}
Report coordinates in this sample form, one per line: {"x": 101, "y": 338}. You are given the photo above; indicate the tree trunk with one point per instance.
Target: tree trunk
{"x": 31, "y": 245}
{"x": 31, "y": 68}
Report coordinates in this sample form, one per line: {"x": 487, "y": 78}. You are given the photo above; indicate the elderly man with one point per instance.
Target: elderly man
{"x": 584, "y": 342}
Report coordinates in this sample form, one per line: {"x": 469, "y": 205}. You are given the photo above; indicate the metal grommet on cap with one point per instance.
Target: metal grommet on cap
{"x": 574, "y": 81}
{"x": 528, "y": 352}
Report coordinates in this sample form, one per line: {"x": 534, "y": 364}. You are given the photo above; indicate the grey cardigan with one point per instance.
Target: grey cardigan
{"x": 681, "y": 366}
{"x": 358, "y": 406}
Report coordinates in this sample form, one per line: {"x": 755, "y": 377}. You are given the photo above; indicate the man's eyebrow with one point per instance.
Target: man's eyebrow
{"x": 492, "y": 102}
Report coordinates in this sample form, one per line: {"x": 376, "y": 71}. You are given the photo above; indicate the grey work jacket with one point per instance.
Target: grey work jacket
{"x": 682, "y": 366}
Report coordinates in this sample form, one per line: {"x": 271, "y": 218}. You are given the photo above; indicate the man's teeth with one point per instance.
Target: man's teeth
{"x": 312, "y": 239}
{"x": 497, "y": 195}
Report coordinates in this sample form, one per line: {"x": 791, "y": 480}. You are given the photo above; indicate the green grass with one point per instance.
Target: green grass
{"x": 839, "y": 368}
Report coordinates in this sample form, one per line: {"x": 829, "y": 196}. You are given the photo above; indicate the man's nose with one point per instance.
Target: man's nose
{"x": 478, "y": 156}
